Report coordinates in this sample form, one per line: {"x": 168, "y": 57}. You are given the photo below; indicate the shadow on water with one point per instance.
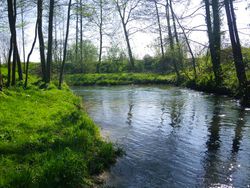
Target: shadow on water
{"x": 213, "y": 145}
{"x": 215, "y": 161}
{"x": 130, "y": 105}
{"x": 172, "y": 110}
{"x": 238, "y": 131}
{"x": 164, "y": 112}
{"x": 175, "y": 113}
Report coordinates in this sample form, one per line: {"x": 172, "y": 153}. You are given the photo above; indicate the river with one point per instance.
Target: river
{"x": 173, "y": 137}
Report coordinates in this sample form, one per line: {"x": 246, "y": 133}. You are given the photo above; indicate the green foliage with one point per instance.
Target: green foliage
{"x": 46, "y": 140}
{"x": 119, "y": 79}
{"x": 89, "y": 58}
{"x": 115, "y": 61}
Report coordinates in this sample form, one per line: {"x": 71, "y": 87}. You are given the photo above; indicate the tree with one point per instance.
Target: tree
{"x": 125, "y": 9}
{"x": 41, "y": 39}
{"x": 214, "y": 36}
{"x": 171, "y": 39}
{"x": 23, "y": 6}
{"x": 187, "y": 42}
{"x": 28, "y": 59}
{"x": 77, "y": 28}
{"x": 50, "y": 40}
{"x": 237, "y": 54}
{"x": 65, "y": 46}
{"x": 160, "y": 30}
{"x": 90, "y": 56}
{"x": 98, "y": 19}
{"x": 12, "y": 14}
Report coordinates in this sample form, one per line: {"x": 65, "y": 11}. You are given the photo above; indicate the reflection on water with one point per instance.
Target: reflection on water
{"x": 130, "y": 115}
{"x": 238, "y": 131}
{"x": 172, "y": 137}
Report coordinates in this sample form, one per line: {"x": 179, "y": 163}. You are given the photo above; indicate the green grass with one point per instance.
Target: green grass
{"x": 119, "y": 79}
{"x": 204, "y": 81}
{"x": 47, "y": 140}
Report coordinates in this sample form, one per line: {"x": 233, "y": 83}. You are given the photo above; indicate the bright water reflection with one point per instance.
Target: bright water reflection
{"x": 173, "y": 137}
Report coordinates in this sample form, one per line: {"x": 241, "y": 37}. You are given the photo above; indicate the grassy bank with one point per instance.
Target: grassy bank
{"x": 46, "y": 140}
{"x": 119, "y": 79}
{"x": 203, "y": 82}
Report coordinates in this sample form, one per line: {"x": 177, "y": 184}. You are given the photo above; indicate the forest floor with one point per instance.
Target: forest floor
{"x": 48, "y": 140}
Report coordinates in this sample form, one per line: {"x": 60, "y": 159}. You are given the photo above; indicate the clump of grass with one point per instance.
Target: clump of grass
{"x": 46, "y": 140}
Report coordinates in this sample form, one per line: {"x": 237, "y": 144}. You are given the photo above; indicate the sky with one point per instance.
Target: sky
{"x": 141, "y": 42}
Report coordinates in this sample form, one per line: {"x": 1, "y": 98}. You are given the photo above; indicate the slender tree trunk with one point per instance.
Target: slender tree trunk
{"x": 55, "y": 50}
{"x": 19, "y": 65}
{"x": 9, "y": 63}
{"x": 81, "y": 35}
{"x": 237, "y": 54}
{"x": 171, "y": 41}
{"x": 159, "y": 27}
{"x": 23, "y": 37}
{"x": 124, "y": 25}
{"x": 12, "y": 13}
{"x": 214, "y": 34}
{"x": 50, "y": 40}
{"x": 28, "y": 59}
{"x": 77, "y": 30}
{"x": 170, "y": 36}
{"x": 41, "y": 39}
{"x": 65, "y": 47}
{"x": 17, "y": 57}
{"x": 180, "y": 59}
{"x": 174, "y": 24}
{"x": 188, "y": 44}
{"x": 101, "y": 36}
{"x": 11, "y": 17}
{"x": 131, "y": 59}
{"x": 13, "y": 77}
{"x": 217, "y": 38}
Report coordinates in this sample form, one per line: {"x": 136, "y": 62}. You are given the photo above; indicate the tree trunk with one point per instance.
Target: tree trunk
{"x": 131, "y": 59}
{"x": 12, "y": 24}
{"x": 81, "y": 35}
{"x": 124, "y": 25}
{"x": 50, "y": 40}
{"x": 28, "y": 59}
{"x": 180, "y": 59}
{"x": 41, "y": 39}
{"x": 188, "y": 44}
{"x": 101, "y": 36}
{"x": 9, "y": 63}
{"x": 237, "y": 54}
{"x": 23, "y": 37}
{"x": 17, "y": 57}
{"x": 65, "y": 47}
{"x": 13, "y": 77}
{"x": 171, "y": 41}
{"x": 160, "y": 31}
{"x": 214, "y": 34}
{"x": 77, "y": 30}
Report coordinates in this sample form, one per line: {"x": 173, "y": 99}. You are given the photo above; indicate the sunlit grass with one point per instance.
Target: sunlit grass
{"x": 47, "y": 140}
{"x": 119, "y": 79}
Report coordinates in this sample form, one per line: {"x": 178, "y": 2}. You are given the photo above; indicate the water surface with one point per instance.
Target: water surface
{"x": 173, "y": 137}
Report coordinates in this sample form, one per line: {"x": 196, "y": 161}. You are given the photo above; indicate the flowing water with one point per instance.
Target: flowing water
{"x": 172, "y": 137}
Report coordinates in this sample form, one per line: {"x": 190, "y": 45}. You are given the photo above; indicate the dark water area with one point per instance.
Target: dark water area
{"x": 173, "y": 137}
